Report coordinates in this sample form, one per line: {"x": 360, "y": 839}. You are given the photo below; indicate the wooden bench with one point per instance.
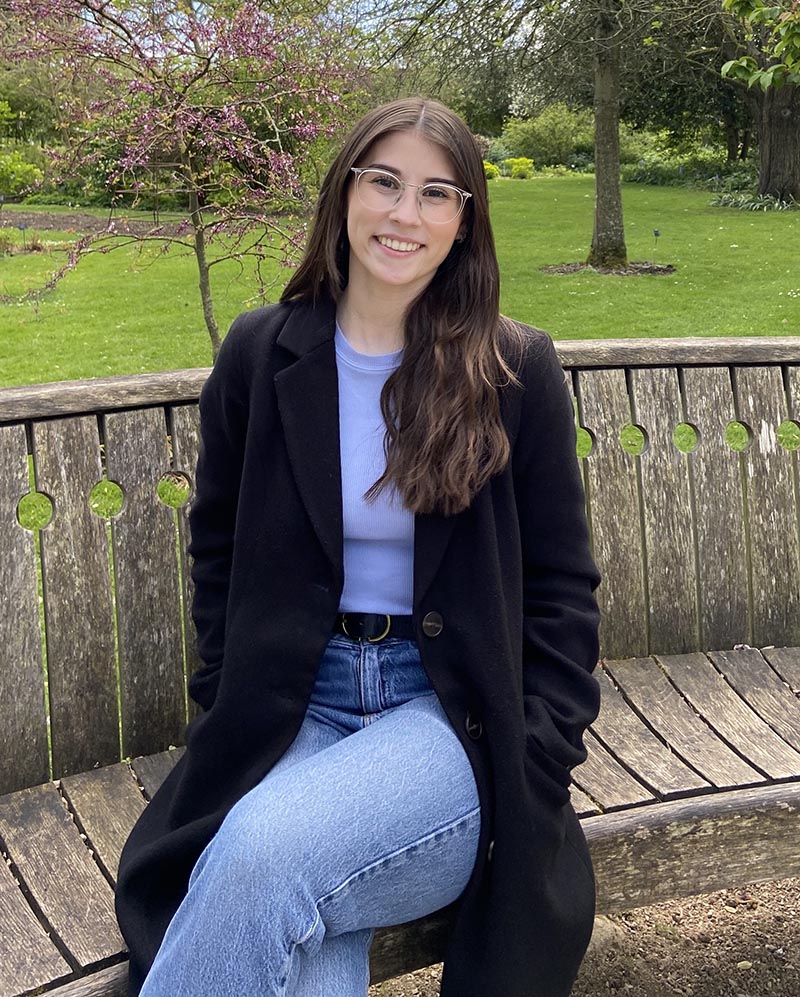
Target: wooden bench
{"x": 693, "y": 777}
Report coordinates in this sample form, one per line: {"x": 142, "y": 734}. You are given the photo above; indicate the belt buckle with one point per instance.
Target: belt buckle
{"x": 371, "y": 640}
{"x": 374, "y": 640}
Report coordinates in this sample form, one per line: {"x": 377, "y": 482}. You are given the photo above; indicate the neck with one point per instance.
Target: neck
{"x": 373, "y": 325}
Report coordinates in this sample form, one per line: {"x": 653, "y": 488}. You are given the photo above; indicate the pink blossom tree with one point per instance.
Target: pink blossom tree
{"x": 212, "y": 104}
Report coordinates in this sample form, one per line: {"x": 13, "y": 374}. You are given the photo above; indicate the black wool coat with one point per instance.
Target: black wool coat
{"x": 504, "y": 615}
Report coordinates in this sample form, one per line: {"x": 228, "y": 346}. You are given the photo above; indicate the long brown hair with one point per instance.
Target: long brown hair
{"x": 445, "y": 437}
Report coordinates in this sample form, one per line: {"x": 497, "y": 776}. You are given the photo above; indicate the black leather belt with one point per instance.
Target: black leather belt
{"x": 374, "y": 626}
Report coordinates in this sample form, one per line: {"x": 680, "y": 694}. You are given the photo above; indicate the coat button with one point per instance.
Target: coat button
{"x": 490, "y": 850}
{"x": 432, "y": 624}
{"x": 473, "y": 727}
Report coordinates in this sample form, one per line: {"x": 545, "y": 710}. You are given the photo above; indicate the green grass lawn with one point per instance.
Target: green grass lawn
{"x": 738, "y": 274}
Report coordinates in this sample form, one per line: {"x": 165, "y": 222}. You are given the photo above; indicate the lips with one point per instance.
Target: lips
{"x": 398, "y": 245}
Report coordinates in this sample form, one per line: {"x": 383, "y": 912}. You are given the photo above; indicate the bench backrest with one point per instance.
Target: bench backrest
{"x": 699, "y": 549}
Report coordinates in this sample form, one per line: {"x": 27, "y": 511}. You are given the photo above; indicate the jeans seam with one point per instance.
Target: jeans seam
{"x": 287, "y": 964}
{"x": 385, "y": 859}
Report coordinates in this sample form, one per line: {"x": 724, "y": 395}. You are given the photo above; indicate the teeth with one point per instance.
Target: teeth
{"x": 399, "y": 247}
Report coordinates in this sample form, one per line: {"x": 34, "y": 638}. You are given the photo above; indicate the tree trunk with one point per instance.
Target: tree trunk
{"x": 732, "y": 142}
{"x": 198, "y": 226}
{"x": 779, "y": 142}
{"x": 608, "y": 241}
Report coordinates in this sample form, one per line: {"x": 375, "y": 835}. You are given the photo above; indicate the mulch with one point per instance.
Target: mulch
{"x": 631, "y": 270}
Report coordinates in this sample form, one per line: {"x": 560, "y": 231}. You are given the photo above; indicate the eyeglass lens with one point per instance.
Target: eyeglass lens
{"x": 379, "y": 190}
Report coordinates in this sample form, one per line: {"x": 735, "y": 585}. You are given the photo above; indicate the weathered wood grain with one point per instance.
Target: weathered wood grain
{"x": 611, "y": 477}
{"x": 730, "y": 716}
{"x": 692, "y": 351}
{"x": 109, "y": 982}
{"x": 185, "y": 426}
{"x": 718, "y": 510}
{"x": 603, "y": 778}
{"x": 101, "y": 394}
{"x": 24, "y": 758}
{"x": 771, "y": 509}
{"x": 52, "y": 860}
{"x": 28, "y": 958}
{"x": 106, "y": 803}
{"x": 786, "y": 662}
{"x": 77, "y": 598}
{"x": 417, "y": 944}
{"x": 152, "y": 684}
{"x": 666, "y": 513}
{"x": 756, "y": 682}
{"x": 152, "y": 770}
{"x": 648, "y": 688}
{"x": 581, "y": 803}
{"x": 686, "y": 847}
{"x": 634, "y": 744}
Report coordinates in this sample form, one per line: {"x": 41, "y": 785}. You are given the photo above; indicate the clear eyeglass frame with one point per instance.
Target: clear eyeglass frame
{"x": 426, "y": 208}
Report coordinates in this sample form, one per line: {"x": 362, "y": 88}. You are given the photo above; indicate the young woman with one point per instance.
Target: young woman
{"x": 393, "y": 599}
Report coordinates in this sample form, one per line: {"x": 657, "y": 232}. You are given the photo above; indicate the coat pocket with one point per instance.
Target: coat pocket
{"x": 203, "y": 685}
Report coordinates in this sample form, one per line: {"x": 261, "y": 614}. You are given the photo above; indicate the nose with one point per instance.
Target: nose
{"x": 407, "y": 208}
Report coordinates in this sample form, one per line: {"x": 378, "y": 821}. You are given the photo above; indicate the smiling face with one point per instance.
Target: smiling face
{"x": 396, "y": 248}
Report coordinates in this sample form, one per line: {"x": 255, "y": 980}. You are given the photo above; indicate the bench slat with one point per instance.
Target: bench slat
{"x": 755, "y": 681}
{"x": 730, "y": 716}
{"x": 77, "y": 596}
{"x": 634, "y": 744}
{"x": 613, "y": 503}
{"x": 718, "y": 507}
{"x": 24, "y": 759}
{"x": 106, "y": 803}
{"x": 771, "y": 510}
{"x": 152, "y": 770}
{"x": 185, "y": 423}
{"x": 28, "y": 958}
{"x": 605, "y": 780}
{"x": 648, "y": 688}
{"x": 109, "y": 982}
{"x": 581, "y": 803}
{"x": 786, "y": 662}
{"x": 146, "y": 575}
{"x": 55, "y": 865}
{"x": 671, "y": 570}
{"x": 685, "y": 847}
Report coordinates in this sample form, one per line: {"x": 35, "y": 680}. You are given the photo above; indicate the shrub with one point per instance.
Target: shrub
{"x": 497, "y": 153}
{"x": 16, "y": 174}
{"x": 520, "y": 168}
{"x": 491, "y": 172}
{"x": 753, "y": 202}
{"x": 700, "y": 168}
{"x": 555, "y": 136}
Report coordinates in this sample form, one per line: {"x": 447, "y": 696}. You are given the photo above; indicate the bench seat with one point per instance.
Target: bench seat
{"x": 692, "y": 784}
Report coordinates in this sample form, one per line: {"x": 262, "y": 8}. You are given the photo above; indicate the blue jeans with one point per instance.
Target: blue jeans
{"x": 371, "y": 818}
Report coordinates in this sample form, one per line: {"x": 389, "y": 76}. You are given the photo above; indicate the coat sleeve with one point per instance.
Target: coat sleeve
{"x": 212, "y": 519}
{"x": 560, "y": 624}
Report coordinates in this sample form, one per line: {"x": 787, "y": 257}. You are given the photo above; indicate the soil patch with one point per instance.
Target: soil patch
{"x": 736, "y": 943}
{"x": 81, "y": 223}
{"x": 631, "y": 270}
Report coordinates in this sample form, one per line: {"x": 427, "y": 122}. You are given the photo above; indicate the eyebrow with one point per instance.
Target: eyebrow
{"x": 399, "y": 173}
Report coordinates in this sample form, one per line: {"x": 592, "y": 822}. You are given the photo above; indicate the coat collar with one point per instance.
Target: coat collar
{"x": 308, "y": 401}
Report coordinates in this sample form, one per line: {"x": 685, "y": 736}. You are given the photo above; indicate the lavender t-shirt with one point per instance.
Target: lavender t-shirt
{"x": 378, "y": 535}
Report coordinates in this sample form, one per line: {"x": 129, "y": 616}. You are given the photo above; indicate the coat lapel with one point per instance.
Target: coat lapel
{"x": 431, "y": 535}
{"x": 308, "y": 400}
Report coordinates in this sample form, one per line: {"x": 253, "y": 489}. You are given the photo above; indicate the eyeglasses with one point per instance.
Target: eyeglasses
{"x": 437, "y": 202}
